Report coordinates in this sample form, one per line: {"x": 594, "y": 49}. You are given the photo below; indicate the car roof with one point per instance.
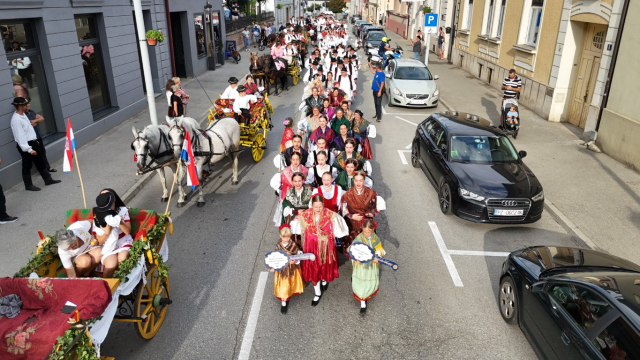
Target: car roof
{"x": 462, "y": 123}
{"x": 402, "y": 62}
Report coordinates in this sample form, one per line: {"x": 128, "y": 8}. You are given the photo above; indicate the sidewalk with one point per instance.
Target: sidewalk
{"x": 106, "y": 162}
{"x": 596, "y": 198}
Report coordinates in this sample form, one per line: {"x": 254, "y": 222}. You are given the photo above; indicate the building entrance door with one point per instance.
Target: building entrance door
{"x": 584, "y": 84}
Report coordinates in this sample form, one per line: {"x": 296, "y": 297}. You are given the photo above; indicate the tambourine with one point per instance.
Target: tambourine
{"x": 364, "y": 254}
{"x": 279, "y": 260}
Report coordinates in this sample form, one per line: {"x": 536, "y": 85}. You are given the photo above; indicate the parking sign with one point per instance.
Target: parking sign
{"x": 431, "y": 20}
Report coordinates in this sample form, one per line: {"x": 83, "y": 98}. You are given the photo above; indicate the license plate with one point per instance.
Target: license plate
{"x": 504, "y": 212}
{"x": 416, "y": 102}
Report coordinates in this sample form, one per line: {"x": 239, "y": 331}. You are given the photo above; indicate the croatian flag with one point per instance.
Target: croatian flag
{"x": 187, "y": 156}
{"x": 69, "y": 147}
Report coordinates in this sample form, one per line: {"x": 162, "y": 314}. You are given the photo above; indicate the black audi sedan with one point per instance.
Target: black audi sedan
{"x": 573, "y": 303}
{"x": 476, "y": 170}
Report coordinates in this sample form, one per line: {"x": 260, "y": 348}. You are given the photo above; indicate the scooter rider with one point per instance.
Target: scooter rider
{"x": 384, "y": 47}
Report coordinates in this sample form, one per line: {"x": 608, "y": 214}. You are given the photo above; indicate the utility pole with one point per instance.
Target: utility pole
{"x": 146, "y": 68}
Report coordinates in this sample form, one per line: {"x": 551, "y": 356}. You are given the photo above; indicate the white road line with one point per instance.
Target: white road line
{"x": 384, "y": 112}
{"x": 252, "y": 322}
{"x": 445, "y": 255}
{"x": 478, "y": 253}
{"x": 407, "y": 121}
{"x": 402, "y": 157}
{"x": 408, "y": 146}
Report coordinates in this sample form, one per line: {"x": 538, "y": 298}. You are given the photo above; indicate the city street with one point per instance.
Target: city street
{"x": 440, "y": 304}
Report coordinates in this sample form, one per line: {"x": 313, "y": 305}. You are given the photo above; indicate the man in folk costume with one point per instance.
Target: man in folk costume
{"x": 309, "y": 62}
{"x": 351, "y": 69}
{"x": 242, "y": 105}
{"x": 338, "y": 69}
{"x": 320, "y": 75}
{"x": 319, "y": 227}
{"x": 355, "y": 59}
{"x": 287, "y": 37}
{"x": 347, "y": 84}
{"x": 310, "y": 74}
{"x": 295, "y": 148}
{"x": 231, "y": 92}
{"x": 314, "y": 100}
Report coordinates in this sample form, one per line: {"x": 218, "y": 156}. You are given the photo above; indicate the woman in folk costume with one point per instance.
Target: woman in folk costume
{"x": 287, "y": 135}
{"x": 358, "y": 203}
{"x": 282, "y": 181}
{"x": 337, "y": 145}
{"x": 362, "y": 130}
{"x": 321, "y": 145}
{"x": 322, "y": 131}
{"x": 296, "y": 199}
{"x": 308, "y": 125}
{"x": 328, "y": 83}
{"x": 365, "y": 278}
{"x": 337, "y": 96}
{"x": 314, "y": 178}
{"x": 327, "y": 109}
{"x": 345, "y": 178}
{"x": 339, "y": 119}
{"x": 331, "y": 193}
{"x": 319, "y": 227}
{"x": 288, "y": 281}
{"x": 347, "y": 112}
{"x": 349, "y": 153}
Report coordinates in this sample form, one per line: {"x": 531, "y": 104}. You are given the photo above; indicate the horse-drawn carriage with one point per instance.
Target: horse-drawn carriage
{"x": 254, "y": 134}
{"x": 138, "y": 293}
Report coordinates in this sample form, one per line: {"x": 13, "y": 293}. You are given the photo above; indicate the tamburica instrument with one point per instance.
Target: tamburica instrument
{"x": 364, "y": 253}
{"x": 279, "y": 260}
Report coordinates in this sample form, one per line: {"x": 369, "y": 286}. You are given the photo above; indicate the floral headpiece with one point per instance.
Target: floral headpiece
{"x": 284, "y": 226}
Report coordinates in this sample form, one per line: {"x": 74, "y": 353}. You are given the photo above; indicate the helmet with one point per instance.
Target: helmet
{"x": 385, "y": 39}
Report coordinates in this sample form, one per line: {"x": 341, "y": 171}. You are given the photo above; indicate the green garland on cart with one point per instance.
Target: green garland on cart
{"x": 82, "y": 349}
{"x": 40, "y": 259}
{"x": 140, "y": 248}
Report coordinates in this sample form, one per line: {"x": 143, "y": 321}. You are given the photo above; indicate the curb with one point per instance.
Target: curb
{"x": 571, "y": 228}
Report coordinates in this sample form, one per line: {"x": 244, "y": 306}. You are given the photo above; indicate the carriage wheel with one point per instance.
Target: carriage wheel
{"x": 151, "y": 302}
{"x": 257, "y": 149}
{"x": 295, "y": 79}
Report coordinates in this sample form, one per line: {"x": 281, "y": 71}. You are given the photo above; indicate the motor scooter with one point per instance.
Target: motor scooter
{"x": 374, "y": 58}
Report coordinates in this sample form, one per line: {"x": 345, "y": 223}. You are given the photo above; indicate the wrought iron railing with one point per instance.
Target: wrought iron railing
{"x": 242, "y": 22}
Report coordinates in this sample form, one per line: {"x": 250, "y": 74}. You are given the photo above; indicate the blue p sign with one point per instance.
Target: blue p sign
{"x": 430, "y": 20}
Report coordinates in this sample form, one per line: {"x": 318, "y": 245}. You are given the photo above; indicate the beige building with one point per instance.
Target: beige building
{"x": 618, "y": 125}
{"x": 560, "y": 48}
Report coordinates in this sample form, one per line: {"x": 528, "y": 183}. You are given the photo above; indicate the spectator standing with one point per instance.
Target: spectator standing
{"x": 273, "y": 28}
{"x": 176, "y": 102}
{"x": 245, "y": 37}
{"x": 417, "y": 47}
{"x": 19, "y": 88}
{"x": 4, "y": 217}
{"x": 256, "y": 34}
{"x": 512, "y": 85}
{"x": 441, "y": 43}
{"x": 29, "y": 147}
{"x": 377, "y": 85}
{"x": 182, "y": 94}
{"x": 35, "y": 120}
{"x": 168, "y": 93}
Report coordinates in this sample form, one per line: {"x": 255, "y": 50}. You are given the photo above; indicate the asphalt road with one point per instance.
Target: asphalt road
{"x": 421, "y": 311}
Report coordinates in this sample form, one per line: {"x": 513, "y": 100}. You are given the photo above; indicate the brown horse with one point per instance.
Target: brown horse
{"x": 256, "y": 69}
{"x": 273, "y": 74}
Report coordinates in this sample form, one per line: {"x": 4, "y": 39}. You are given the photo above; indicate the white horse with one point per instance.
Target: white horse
{"x": 219, "y": 140}
{"x": 154, "y": 142}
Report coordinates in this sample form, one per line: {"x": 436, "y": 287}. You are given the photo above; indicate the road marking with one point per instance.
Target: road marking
{"x": 384, "y": 112}
{"x": 402, "y": 157}
{"x": 252, "y": 322}
{"x": 445, "y": 255}
{"x": 408, "y": 146}
{"x": 407, "y": 121}
{"x": 478, "y": 253}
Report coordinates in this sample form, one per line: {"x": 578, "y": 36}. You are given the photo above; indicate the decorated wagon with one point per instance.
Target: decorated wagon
{"x": 63, "y": 318}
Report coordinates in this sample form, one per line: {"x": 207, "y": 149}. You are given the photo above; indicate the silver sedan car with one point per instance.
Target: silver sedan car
{"x": 410, "y": 83}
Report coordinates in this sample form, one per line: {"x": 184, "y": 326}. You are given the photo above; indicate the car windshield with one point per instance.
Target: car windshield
{"x": 376, "y": 36}
{"x": 482, "y": 149}
{"x": 413, "y": 73}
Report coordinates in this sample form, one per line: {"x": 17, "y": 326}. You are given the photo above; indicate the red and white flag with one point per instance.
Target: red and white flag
{"x": 69, "y": 147}
{"x": 187, "y": 156}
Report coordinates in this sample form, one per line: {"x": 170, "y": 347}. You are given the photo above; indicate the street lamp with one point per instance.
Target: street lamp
{"x": 212, "y": 57}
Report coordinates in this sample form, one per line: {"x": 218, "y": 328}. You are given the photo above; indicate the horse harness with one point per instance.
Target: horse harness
{"x": 169, "y": 151}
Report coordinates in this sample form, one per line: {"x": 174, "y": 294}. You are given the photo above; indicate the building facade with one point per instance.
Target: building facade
{"x": 560, "y": 48}
{"x": 618, "y": 126}
{"x": 79, "y": 60}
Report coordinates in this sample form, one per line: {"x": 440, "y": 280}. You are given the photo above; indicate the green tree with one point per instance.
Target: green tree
{"x": 336, "y": 5}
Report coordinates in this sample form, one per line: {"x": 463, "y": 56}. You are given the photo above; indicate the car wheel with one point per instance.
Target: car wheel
{"x": 508, "y": 301}
{"x": 415, "y": 153}
{"x": 389, "y": 101}
{"x": 445, "y": 199}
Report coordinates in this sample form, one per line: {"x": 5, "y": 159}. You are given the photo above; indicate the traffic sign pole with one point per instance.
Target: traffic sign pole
{"x": 430, "y": 23}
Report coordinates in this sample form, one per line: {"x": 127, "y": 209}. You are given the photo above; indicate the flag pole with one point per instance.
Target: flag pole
{"x": 84, "y": 199}
{"x": 166, "y": 211}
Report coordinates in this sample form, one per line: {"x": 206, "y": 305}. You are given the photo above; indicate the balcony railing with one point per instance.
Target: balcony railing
{"x": 242, "y": 22}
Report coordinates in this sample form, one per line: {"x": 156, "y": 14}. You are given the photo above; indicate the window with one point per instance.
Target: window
{"x": 584, "y": 306}
{"x": 482, "y": 149}
{"x": 92, "y": 63}
{"x": 501, "y": 18}
{"x": 469, "y": 15}
{"x": 535, "y": 20}
{"x": 200, "y": 38}
{"x": 618, "y": 341}
{"x": 27, "y": 74}
{"x": 413, "y": 73}
{"x": 487, "y": 30}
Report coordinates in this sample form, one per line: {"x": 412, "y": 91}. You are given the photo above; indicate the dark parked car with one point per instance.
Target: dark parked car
{"x": 356, "y": 17}
{"x": 360, "y": 27}
{"x": 573, "y": 303}
{"x": 367, "y": 29}
{"x": 477, "y": 172}
{"x": 373, "y": 38}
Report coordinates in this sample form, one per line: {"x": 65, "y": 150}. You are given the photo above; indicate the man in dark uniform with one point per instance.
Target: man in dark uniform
{"x": 297, "y": 147}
